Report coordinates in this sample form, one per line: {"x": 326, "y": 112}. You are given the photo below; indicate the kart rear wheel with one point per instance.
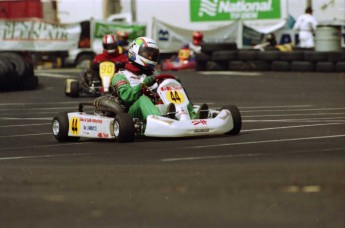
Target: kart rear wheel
{"x": 60, "y": 127}
{"x": 124, "y": 130}
{"x": 74, "y": 89}
{"x": 236, "y": 117}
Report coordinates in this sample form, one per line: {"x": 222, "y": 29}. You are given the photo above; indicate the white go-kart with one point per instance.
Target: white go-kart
{"x": 110, "y": 120}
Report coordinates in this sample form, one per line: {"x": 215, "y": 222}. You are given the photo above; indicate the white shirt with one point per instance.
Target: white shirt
{"x": 306, "y": 25}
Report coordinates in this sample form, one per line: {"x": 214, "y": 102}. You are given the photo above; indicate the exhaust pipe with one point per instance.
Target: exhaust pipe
{"x": 107, "y": 104}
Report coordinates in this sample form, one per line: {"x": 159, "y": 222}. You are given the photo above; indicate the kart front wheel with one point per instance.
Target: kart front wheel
{"x": 124, "y": 130}
{"x": 60, "y": 127}
{"x": 236, "y": 117}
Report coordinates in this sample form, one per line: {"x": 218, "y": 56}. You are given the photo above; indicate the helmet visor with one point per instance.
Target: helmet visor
{"x": 110, "y": 46}
{"x": 149, "y": 53}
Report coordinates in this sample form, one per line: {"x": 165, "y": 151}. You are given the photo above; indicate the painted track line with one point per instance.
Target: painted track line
{"x": 25, "y": 125}
{"x": 267, "y": 141}
{"x": 287, "y": 127}
{"x": 247, "y": 155}
{"x": 250, "y": 130}
{"x": 45, "y": 146}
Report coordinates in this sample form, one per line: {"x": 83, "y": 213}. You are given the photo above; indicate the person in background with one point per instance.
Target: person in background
{"x": 111, "y": 52}
{"x": 306, "y": 26}
{"x": 197, "y": 40}
{"x": 122, "y": 38}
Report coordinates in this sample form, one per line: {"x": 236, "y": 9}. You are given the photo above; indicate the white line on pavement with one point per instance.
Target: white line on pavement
{"x": 25, "y": 125}
{"x": 243, "y": 155}
{"x": 266, "y": 141}
{"x": 286, "y": 127}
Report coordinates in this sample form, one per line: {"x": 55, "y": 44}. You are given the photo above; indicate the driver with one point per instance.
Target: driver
{"x": 139, "y": 73}
{"x": 111, "y": 52}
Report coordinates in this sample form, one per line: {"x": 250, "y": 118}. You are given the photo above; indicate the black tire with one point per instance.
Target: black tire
{"x": 29, "y": 83}
{"x": 17, "y": 61}
{"x": 202, "y": 57}
{"x": 302, "y": 66}
{"x": 340, "y": 67}
{"x": 224, "y": 55}
{"x": 211, "y": 47}
{"x": 74, "y": 89}
{"x": 236, "y": 117}
{"x": 315, "y": 56}
{"x": 239, "y": 66}
{"x": 201, "y": 66}
{"x": 291, "y": 55}
{"x": 124, "y": 130}
{"x": 325, "y": 66}
{"x": 60, "y": 128}
{"x": 259, "y": 65}
{"x": 245, "y": 55}
{"x": 216, "y": 66}
{"x": 280, "y": 66}
{"x": 336, "y": 56}
{"x": 268, "y": 55}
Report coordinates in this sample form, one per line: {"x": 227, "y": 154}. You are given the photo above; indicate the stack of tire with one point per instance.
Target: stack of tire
{"x": 16, "y": 73}
{"x": 226, "y": 56}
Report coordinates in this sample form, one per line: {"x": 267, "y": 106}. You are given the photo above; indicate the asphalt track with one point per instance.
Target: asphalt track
{"x": 285, "y": 169}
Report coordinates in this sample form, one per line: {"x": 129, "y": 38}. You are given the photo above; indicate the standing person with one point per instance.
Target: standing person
{"x": 306, "y": 26}
{"x": 139, "y": 73}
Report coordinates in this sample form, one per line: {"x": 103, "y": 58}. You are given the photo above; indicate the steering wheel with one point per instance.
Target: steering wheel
{"x": 159, "y": 78}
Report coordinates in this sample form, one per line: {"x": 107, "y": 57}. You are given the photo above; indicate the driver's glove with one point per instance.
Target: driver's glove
{"x": 149, "y": 81}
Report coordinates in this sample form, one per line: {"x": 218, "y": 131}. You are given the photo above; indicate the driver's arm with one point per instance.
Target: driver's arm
{"x": 127, "y": 93}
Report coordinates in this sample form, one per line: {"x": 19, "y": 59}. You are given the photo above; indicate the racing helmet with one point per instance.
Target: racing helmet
{"x": 122, "y": 35}
{"x": 110, "y": 43}
{"x": 197, "y": 37}
{"x": 144, "y": 51}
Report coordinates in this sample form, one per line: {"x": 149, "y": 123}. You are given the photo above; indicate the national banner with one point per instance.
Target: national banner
{"x": 224, "y": 10}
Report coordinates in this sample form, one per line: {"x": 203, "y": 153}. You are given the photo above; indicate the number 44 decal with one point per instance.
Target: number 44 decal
{"x": 175, "y": 97}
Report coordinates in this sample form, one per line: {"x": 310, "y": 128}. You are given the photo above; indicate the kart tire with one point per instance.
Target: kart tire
{"x": 236, "y": 117}
{"x": 17, "y": 61}
{"x": 245, "y": 55}
{"x": 29, "y": 83}
{"x": 211, "y": 47}
{"x": 302, "y": 66}
{"x": 325, "y": 66}
{"x": 291, "y": 56}
{"x": 60, "y": 128}
{"x": 224, "y": 55}
{"x": 340, "y": 67}
{"x": 124, "y": 130}
{"x": 74, "y": 89}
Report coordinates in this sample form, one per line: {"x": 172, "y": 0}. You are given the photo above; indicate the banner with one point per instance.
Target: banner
{"x": 37, "y": 35}
{"x": 101, "y": 28}
{"x": 224, "y": 10}
{"x": 171, "y": 38}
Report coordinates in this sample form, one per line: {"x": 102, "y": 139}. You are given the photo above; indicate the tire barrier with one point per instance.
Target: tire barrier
{"x": 226, "y": 56}
{"x": 16, "y": 73}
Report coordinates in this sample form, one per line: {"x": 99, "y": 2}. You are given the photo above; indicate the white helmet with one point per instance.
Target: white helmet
{"x": 144, "y": 51}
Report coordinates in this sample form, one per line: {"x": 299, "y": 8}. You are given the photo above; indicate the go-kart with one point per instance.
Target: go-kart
{"x": 184, "y": 60}
{"x": 110, "y": 119}
{"x": 92, "y": 83}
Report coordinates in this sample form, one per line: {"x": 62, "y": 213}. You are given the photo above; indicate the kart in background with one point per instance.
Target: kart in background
{"x": 184, "y": 60}
{"x": 91, "y": 83}
{"x": 110, "y": 119}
